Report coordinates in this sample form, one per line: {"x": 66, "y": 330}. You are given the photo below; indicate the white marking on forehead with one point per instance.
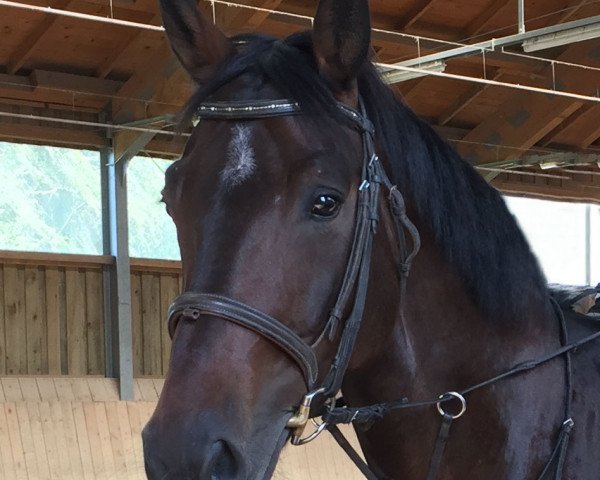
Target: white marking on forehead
{"x": 240, "y": 157}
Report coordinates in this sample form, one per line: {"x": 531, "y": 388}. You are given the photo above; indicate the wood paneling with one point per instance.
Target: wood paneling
{"x": 51, "y": 428}
{"x": 152, "y": 293}
{"x": 52, "y": 314}
{"x": 51, "y": 317}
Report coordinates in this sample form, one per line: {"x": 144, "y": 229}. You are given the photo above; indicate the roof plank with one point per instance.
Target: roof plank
{"x": 34, "y": 38}
{"x": 524, "y": 120}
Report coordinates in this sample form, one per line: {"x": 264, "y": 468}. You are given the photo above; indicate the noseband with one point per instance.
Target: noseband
{"x": 353, "y": 292}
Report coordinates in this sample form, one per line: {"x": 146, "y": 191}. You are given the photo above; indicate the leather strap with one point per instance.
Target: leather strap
{"x": 192, "y": 305}
{"x": 440, "y": 446}
{"x": 353, "y": 454}
{"x": 245, "y": 110}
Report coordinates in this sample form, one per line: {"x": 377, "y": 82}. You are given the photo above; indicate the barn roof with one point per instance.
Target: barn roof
{"x": 494, "y": 101}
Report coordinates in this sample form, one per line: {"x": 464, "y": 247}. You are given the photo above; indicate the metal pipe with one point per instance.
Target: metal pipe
{"x": 83, "y": 16}
{"x": 484, "y": 81}
{"x": 82, "y": 123}
{"x": 501, "y": 42}
{"x": 588, "y": 244}
{"x": 521, "y": 16}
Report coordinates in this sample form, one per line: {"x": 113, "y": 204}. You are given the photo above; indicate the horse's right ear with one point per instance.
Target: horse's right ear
{"x": 199, "y": 45}
{"x": 341, "y": 39}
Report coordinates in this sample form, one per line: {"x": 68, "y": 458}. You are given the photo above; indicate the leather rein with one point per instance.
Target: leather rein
{"x": 190, "y": 306}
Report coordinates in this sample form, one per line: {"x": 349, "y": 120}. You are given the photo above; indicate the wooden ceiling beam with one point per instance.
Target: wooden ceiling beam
{"x": 33, "y": 38}
{"x": 414, "y": 13}
{"x": 465, "y": 100}
{"x": 580, "y": 131}
{"x": 129, "y": 37}
{"x": 132, "y": 99}
{"x": 62, "y": 90}
{"x": 478, "y": 26}
{"x": 522, "y": 121}
{"x": 573, "y": 7}
{"x": 237, "y": 20}
{"x": 548, "y": 188}
{"x": 26, "y": 132}
{"x": 73, "y": 83}
{"x": 172, "y": 148}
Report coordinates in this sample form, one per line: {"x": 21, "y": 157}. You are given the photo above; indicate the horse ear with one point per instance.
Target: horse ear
{"x": 199, "y": 45}
{"x": 341, "y": 39}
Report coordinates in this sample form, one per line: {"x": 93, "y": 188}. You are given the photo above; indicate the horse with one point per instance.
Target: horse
{"x": 317, "y": 219}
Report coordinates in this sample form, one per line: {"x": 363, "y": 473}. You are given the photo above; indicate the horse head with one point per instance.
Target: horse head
{"x": 265, "y": 209}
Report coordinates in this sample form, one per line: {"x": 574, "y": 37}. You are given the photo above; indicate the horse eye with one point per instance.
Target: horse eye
{"x": 325, "y": 206}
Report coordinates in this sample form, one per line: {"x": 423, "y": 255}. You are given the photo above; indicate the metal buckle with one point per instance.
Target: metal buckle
{"x": 459, "y": 397}
{"x": 297, "y": 423}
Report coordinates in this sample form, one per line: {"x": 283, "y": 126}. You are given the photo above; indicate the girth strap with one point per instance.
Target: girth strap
{"x": 190, "y": 305}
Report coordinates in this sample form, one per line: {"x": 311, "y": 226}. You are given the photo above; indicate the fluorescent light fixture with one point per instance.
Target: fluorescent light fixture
{"x": 548, "y": 165}
{"x": 573, "y": 35}
{"x": 396, "y": 76}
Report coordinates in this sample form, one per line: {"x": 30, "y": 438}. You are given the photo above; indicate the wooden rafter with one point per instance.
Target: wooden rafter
{"x": 130, "y": 36}
{"x": 414, "y": 13}
{"x": 523, "y": 121}
{"x": 480, "y": 23}
{"x": 20, "y": 55}
{"x": 57, "y": 89}
{"x": 237, "y": 20}
{"x": 52, "y": 135}
{"x": 580, "y": 130}
{"x": 133, "y": 98}
{"x": 580, "y": 190}
{"x": 573, "y": 7}
{"x": 465, "y": 100}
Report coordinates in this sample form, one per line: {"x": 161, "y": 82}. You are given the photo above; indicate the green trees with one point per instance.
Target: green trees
{"x": 51, "y": 202}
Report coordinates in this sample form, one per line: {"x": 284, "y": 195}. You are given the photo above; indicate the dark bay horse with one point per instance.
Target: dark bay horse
{"x": 296, "y": 248}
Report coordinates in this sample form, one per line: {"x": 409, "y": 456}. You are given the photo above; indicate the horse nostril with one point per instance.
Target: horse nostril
{"x": 220, "y": 462}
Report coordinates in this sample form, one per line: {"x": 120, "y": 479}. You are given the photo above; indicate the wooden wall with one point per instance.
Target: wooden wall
{"x": 52, "y": 314}
{"x": 154, "y": 286}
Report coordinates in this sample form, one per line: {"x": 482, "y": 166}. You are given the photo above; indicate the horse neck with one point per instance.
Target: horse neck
{"x": 439, "y": 339}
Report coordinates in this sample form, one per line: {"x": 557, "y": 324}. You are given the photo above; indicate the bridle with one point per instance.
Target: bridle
{"x": 352, "y": 296}
{"x": 353, "y": 292}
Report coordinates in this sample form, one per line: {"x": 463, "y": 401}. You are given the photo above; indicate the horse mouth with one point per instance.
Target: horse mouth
{"x": 270, "y": 468}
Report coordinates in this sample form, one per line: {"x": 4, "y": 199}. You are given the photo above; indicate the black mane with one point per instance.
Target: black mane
{"x": 467, "y": 218}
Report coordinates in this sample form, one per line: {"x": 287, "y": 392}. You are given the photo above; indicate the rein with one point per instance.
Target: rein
{"x": 352, "y": 297}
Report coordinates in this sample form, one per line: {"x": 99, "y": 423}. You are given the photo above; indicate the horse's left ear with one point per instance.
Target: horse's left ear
{"x": 341, "y": 40}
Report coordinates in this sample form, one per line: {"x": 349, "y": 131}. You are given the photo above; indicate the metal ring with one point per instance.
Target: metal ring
{"x": 459, "y": 397}
{"x": 303, "y": 441}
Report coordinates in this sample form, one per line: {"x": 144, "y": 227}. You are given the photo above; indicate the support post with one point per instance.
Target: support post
{"x": 119, "y": 341}
{"x": 588, "y": 244}
{"x": 521, "y": 19}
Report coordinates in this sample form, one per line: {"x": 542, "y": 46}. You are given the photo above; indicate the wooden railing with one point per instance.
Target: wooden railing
{"x": 52, "y": 313}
